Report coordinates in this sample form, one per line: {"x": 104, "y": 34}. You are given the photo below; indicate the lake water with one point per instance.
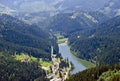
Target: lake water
{"x": 64, "y": 49}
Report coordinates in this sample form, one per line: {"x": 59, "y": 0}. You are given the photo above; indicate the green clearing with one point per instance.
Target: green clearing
{"x": 23, "y": 56}
{"x": 61, "y": 38}
{"x": 45, "y": 63}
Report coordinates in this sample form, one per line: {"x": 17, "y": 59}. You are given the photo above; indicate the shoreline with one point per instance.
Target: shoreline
{"x": 86, "y": 63}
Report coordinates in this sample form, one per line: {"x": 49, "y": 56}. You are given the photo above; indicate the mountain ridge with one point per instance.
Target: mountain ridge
{"x": 16, "y": 36}
{"x": 99, "y": 45}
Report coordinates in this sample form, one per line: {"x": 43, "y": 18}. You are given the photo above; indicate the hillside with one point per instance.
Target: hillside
{"x": 36, "y": 11}
{"x": 100, "y": 45}
{"x": 14, "y": 70}
{"x": 59, "y": 40}
{"x": 68, "y": 23}
{"x": 17, "y": 37}
{"x": 101, "y": 73}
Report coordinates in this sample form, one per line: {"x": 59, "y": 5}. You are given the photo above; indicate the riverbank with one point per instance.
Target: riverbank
{"x": 64, "y": 49}
{"x": 62, "y": 40}
{"x": 78, "y": 64}
{"x": 86, "y": 63}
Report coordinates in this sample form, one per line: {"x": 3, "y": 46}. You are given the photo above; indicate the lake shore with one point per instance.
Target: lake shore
{"x": 64, "y": 49}
{"x": 82, "y": 62}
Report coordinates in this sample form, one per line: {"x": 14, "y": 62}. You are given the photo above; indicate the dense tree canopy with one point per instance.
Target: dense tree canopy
{"x": 101, "y": 73}
{"x": 13, "y": 70}
{"x": 101, "y": 44}
{"x": 16, "y": 36}
{"x": 67, "y": 23}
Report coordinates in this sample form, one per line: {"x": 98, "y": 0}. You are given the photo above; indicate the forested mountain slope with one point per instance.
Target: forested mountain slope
{"x": 101, "y": 73}
{"x": 17, "y": 37}
{"x": 36, "y": 11}
{"x": 13, "y": 70}
{"x": 100, "y": 45}
{"x": 68, "y": 23}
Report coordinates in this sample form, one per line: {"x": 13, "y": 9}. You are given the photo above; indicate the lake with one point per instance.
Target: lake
{"x": 64, "y": 49}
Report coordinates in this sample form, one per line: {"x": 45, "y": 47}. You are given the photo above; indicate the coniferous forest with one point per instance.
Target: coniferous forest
{"x": 102, "y": 43}
{"x": 13, "y": 70}
{"x": 101, "y": 73}
{"x": 59, "y": 40}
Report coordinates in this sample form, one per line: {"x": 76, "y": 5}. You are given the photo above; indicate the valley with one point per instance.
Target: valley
{"x": 59, "y": 40}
